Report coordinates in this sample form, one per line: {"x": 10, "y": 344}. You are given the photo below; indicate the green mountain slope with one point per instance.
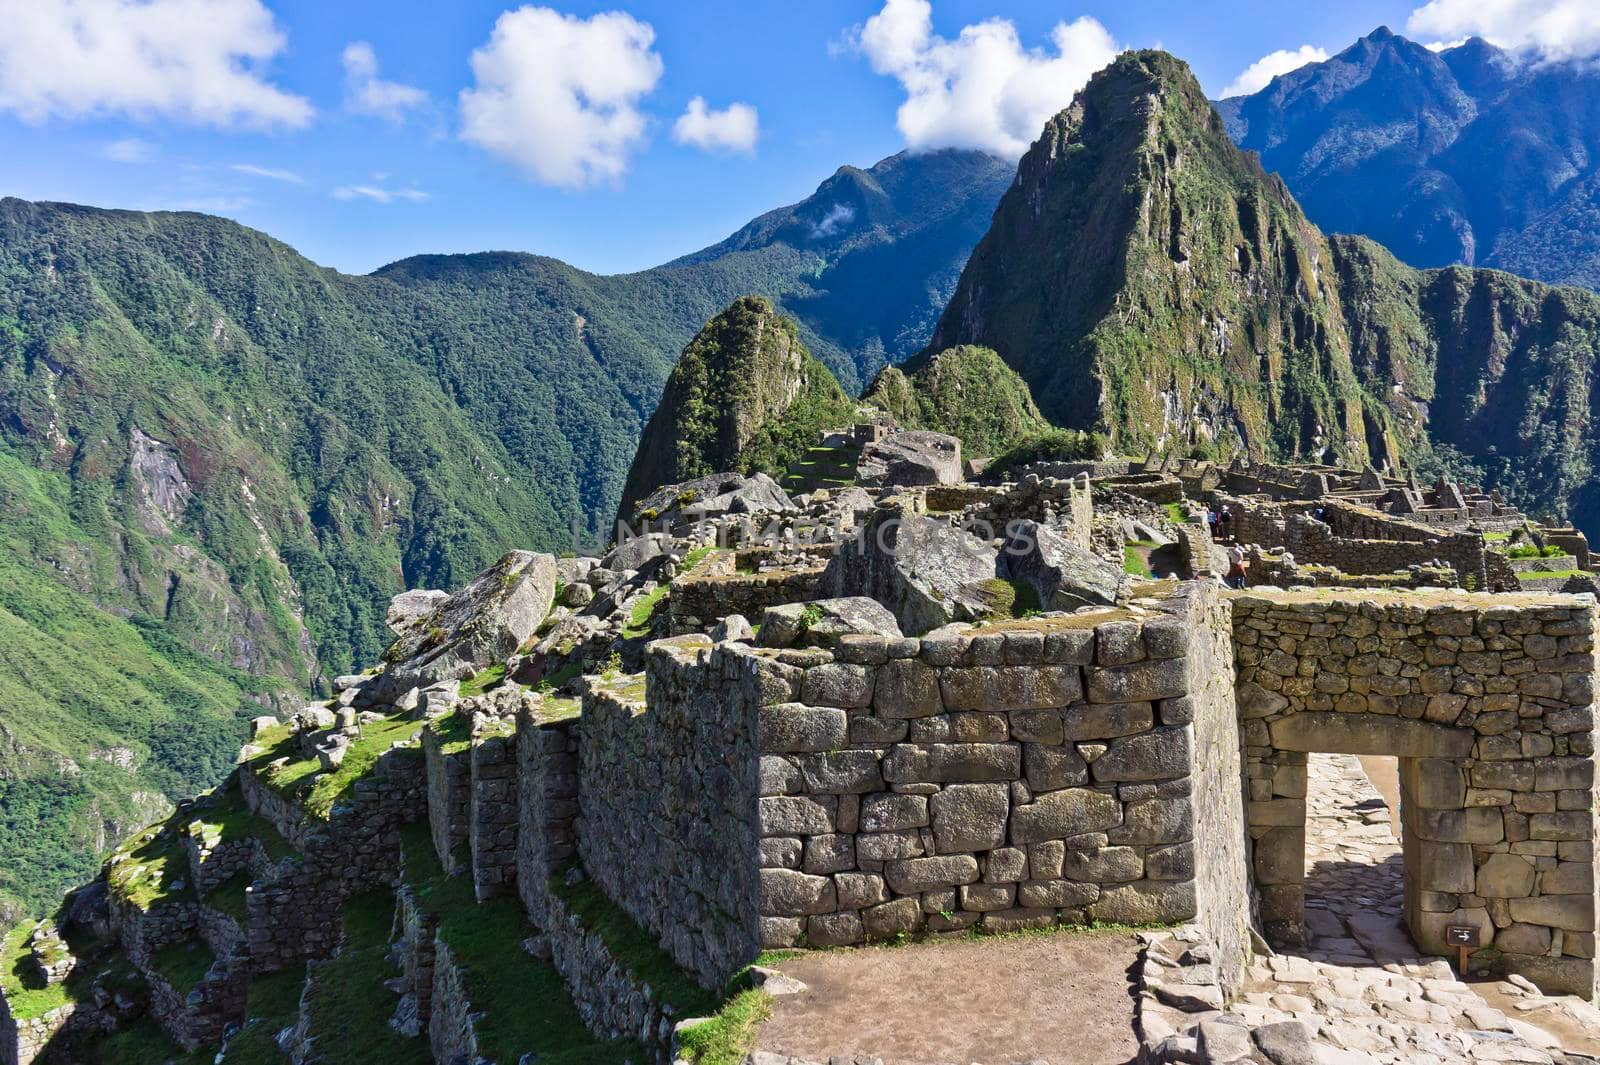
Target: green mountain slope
{"x": 1150, "y": 282}
{"x": 964, "y": 391}
{"x": 218, "y": 460}
{"x": 745, "y": 395}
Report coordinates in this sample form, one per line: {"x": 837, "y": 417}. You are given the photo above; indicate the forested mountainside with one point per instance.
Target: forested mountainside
{"x": 1470, "y": 155}
{"x": 1151, "y": 282}
{"x": 218, "y": 460}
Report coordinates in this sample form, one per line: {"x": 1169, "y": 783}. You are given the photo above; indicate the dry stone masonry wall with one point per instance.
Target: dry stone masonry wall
{"x": 1488, "y": 702}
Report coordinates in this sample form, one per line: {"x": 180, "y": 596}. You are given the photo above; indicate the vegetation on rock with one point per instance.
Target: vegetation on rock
{"x": 966, "y": 391}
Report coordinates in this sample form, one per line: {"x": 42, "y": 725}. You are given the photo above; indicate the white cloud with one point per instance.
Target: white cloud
{"x": 379, "y": 194}
{"x": 1558, "y": 29}
{"x": 1445, "y": 46}
{"x": 194, "y": 61}
{"x": 838, "y": 216}
{"x": 1259, "y": 75}
{"x": 557, "y": 95}
{"x": 983, "y": 89}
{"x": 368, "y": 94}
{"x": 733, "y": 129}
{"x": 129, "y": 150}
{"x": 270, "y": 173}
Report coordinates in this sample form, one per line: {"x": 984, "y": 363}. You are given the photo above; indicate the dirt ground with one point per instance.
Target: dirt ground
{"x": 1063, "y": 999}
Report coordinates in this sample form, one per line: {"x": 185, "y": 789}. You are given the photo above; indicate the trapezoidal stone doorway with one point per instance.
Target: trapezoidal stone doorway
{"x": 1487, "y": 702}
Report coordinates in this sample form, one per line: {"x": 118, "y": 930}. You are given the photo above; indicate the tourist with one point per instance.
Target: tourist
{"x": 1238, "y": 568}
{"x": 1226, "y": 523}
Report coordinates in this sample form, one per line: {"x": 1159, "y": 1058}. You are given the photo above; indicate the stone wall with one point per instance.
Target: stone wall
{"x": 294, "y": 914}
{"x": 547, "y": 801}
{"x": 716, "y": 588}
{"x": 667, "y": 802}
{"x": 1488, "y": 702}
{"x": 1063, "y": 503}
{"x": 494, "y": 806}
{"x": 1013, "y": 776}
{"x": 449, "y": 779}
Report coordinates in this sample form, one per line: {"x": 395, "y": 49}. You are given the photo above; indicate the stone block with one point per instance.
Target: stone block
{"x": 1446, "y": 867}
{"x": 1105, "y": 721}
{"x": 887, "y": 812}
{"x": 1149, "y": 822}
{"x": 1048, "y": 768}
{"x": 1160, "y": 754}
{"x": 795, "y": 728}
{"x": 835, "y": 930}
{"x": 1038, "y": 726}
{"x": 1434, "y": 783}
{"x": 857, "y": 891}
{"x": 1005, "y": 865}
{"x": 902, "y": 916}
{"x": 1059, "y": 894}
{"x": 1574, "y": 913}
{"x": 1369, "y": 734}
{"x": 1058, "y": 814}
{"x": 1170, "y": 863}
{"x": 1279, "y": 855}
{"x": 829, "y": 854}
{"x": 786, "y": 893}
{"x": 837, "y": 684}
{"x": 1104, "y": 865}
{"x": 1146, "y": 902}
{"x": 888, "y": 846}
{"x": 1475, "y": 825}
{"x": 912, "y": 876}
{"x": 842, "y": 772}
{"x": 999, "y": 922}
{"x": 795, "y": 815}
{"x": 1001, "y": 688}
{"x": 981, "y": 898}
{"x": 1139, "y": 682}
{"x": 970, "y": 817}
{"x": 1505, "y": 876}
{"x": 906, "y": 688}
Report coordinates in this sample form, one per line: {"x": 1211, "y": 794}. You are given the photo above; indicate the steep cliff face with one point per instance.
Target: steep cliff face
{"x": 1149, "y": 281}
{"x": 745, "y": 395}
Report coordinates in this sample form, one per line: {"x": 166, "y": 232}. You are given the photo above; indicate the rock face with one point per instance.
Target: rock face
{"x": 407, "y": 608}
{"x": 680, "y": 506}
{"x": 745, "y": 395}
{"x": 822, "y": 623}
{"x": 482, "y": 624}
{"x": 927, "y": 571}
{"x": 1063, "y": 575}
{"x": 1151, "y": 282}
{"x": 914, "y": 457}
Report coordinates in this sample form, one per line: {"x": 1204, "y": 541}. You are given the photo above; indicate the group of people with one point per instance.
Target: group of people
{"x": 1220, "y": 521}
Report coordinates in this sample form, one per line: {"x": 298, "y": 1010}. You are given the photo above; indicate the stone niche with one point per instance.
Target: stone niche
{"x": 1487, "y": 701}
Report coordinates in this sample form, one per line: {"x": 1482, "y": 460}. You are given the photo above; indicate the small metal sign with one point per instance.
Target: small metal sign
{"x": 1462, "y": 935}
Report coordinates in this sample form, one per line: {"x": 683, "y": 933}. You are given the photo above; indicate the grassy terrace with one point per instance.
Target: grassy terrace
{"x": 454, "y": 732}
{"x": 26, "y": 995}
{"x": 348, "y": 1006}
{"x": 642, "y": 616}
{"x": 227, "y": 819}
{"x": 301, "y": 780}
{"x": 525, "y": 1007}
{"x": 151, "y": 867}
{"x": 184, "y": 964}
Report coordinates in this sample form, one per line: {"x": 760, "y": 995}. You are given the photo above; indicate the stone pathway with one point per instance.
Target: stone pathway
{"x": 1359, "y": 985}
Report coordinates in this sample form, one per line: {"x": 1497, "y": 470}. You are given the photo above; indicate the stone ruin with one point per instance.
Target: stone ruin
{"x": 918, "y": 707}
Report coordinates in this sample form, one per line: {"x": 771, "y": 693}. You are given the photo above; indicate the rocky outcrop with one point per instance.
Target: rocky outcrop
{"x": 915, "y": 457}
{"x": 484, "y": 623}
{"x": 825, "y": 622}
{"x": 678, "y": 507}
{"x": 1063, "y": 575}
{"x": 928, "y": 572}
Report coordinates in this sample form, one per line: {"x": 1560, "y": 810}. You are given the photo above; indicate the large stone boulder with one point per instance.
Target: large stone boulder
{"x": 634, "y": 553}
{"x": 676, "y": 507}
{"x": 915, "y": 457}
{"x": 484, "y": 623}
{"x": 928, "y": 572}
{"x": 823, "y": 622}
{"x": 1063, "y": 575}
{"x": 407, "y": 608}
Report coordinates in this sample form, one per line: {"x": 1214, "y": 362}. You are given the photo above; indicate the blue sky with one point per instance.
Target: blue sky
{"x": 572, "y": 139}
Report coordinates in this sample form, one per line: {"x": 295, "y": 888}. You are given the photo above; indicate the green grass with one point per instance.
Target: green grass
{"x": 273, "y": 1004}
{"x": 524, "y": 1004}
{"x": 348, "y": 1006}
{"x": 693, "y": 558}
{"x": 229, "y": 898}
{"x": 183, "y": 964}
{"x": 301, "y": 779}
{"x": 633, "y": 947}
{"x": 146, "y": 1043}
{"x": 228, "y": 819}
{"x": 148, "y": 868}
{"x": 644, "y": 612}
{"x": 1133, "y": 562}
{"x": 1175, "y": 512}
{"x": 454, "y": 732}
{"x": 484, "y": 680}
{"x": 1545, "y": 574}
{"x": 730, "y": 1034}
{"x": 26, "y": 995}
